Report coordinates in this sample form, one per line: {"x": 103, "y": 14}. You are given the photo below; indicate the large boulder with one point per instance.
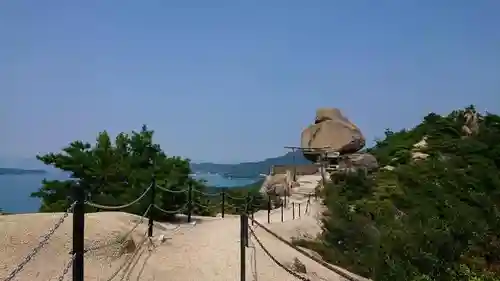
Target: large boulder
{"x": 331, "y": 131}
{"x": 355, "y": 162}
{"x": 277, "y": 185}
{"x": 363, "y": 160}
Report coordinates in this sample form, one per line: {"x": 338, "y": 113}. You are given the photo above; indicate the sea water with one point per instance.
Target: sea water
{"x": 15, "y": 190}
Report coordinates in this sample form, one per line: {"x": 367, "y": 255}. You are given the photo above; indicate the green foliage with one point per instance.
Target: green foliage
{"x": 116, "y": 172}
{"x": 434, "y": 219}
{"x": 240, "y": 198}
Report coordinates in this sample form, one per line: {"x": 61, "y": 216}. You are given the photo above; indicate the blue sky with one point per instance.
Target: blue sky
{"x": 227, "y": 81}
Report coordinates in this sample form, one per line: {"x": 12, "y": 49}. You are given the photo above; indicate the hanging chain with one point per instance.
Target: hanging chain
{"x": 43, "y": 241}
{"x": 66, "y": 268}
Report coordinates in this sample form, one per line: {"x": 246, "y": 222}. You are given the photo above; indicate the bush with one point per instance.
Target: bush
{"x": 237, "y": 198}
{"x": 115, "y": 173}
{"x": 435, "y": 219}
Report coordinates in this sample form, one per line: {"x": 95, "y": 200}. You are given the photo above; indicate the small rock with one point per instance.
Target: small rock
{"x": 419, "y": 156}
{"x": 298, "y": 266}
{"x": 128, "y": 246}
{"x": 388, "y": 168}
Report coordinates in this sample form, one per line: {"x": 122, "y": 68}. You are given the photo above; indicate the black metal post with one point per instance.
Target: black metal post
{"x": 293, "y": 210}
{"x": 223, "y": 201}
{"x": 152, "y": 202}
{"x": 282, "y": 210}
{"x": 299, "y": 210}
{"x": 78, "y": 232}
{"x": 269, "y": 209}
{"x": 243, "y": 245}
{"x": 190, "y": 202}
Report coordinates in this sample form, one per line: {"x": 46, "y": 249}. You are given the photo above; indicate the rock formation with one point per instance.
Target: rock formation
{"x": 388, "y": 168}
{"x": 331, "y": 132}
{"x": 358, "y": 161}
{"x": 338, "y": 140}
{"x": 471, "y": 123}
{"x": 333, "y": 142}
{"x": 278, "y": 185}
{"x": 416, "y": 152}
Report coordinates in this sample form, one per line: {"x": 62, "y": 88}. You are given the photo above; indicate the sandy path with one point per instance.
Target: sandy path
{"x": 205, "y": 251}
{"x": 210, "y": 251}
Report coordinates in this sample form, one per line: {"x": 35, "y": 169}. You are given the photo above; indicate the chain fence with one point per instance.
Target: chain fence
{"x": 251, "y": 230}
{"x": 239, "y": 204}
{"x": 185, "y": 190}
{"x": 178, "y": 211}
{"x": 65, "y": 271}
{"x": 274, "y": 259}
{"x": 44, "y": 240}
{"x": 114, "y": 208}
{"x": 124, "y": 237}
{"x": 128, "y": 262}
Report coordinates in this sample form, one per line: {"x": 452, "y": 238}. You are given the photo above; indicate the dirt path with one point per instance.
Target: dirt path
{"x": 205, "y": 251}
{"x": 210, "y": 251}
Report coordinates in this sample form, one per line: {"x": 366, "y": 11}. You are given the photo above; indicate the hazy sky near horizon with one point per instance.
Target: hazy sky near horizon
{"x": 228, "y": 81}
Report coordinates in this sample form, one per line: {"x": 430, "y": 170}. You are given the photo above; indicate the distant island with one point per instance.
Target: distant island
{"x": 16, "y": 171}
{"x": 249, "y": 170}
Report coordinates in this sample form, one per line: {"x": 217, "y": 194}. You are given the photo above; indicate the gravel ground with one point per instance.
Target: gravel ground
{"x": 207, "y": 250}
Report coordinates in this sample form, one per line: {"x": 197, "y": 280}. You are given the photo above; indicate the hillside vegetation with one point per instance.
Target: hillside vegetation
{"x": 432, "y": 219}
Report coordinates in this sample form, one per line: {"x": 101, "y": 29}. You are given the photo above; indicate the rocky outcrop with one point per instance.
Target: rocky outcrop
{"x": 278, "y": 185}
{"x": 471, "y": 123}
{"x": 363, "y": 160}
{"x": 331, "y": 131}
{"x": 388, "y": 168}
{"x": 351, "y": 163}
{"x": 416, "y": 152}
{"x": 417, "y": 155}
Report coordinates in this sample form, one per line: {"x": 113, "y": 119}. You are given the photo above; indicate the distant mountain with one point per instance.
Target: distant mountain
{"x": 249, "y": 169}
{"x": 15, "y": 171}
{"x": 25, "y": 163}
